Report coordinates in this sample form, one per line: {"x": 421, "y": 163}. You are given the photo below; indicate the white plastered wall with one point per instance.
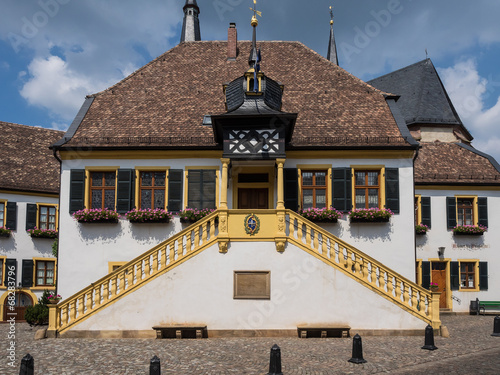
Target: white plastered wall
{"x": 303, "y": 290}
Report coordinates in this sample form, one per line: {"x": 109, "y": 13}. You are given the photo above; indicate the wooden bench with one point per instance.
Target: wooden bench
{"x": 181, "y": 331}
{"x": 323, "y": 331}
{"x": 488, "y": 305}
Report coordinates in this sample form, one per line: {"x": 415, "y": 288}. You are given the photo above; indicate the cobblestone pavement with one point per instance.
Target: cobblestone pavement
{"x": 470, "y": 349}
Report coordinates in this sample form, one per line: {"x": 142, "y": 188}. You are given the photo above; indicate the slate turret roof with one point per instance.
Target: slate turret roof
{"x": 162, "y": 105}
{"x": 423, "y": 97}
{"x": 28, "y": 165}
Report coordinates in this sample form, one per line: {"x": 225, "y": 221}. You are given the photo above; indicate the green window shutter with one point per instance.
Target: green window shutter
{"x": 426, "y": 275}
{"x": 482, "y": 210}
{"x": 201, "y": 188}
{"x": 77, "y": 190}
{"x": 31, "y": 212}
{"x": 175, "y": 190}
{"x": 124, "y": 190}
{"x": 27, "y": 273}
{"x": 11, "y": 211}
{"x": 454, "y": 276}
{"x": 291, "y": 188}
{"x": 451, "y": 212}
{"x": 392, "y": 189}
{"x": 483, "y": 275}
{"x": 10, "y": 266}
{"x": 425, "y": 204}
{"x": 342, "y": 189}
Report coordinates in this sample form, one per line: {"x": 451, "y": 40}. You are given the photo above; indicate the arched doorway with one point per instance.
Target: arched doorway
{"x": 21, "y": 302}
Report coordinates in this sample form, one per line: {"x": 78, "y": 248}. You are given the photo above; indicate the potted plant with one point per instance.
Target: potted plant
{"x": 54, "y": 298}
{"x": 321, "y": 215}
{"x": 370, "y": 215}
{"x": 434, "y": 287}
{"x": 475, "y": 230}
{"x": 192, "y": 215}
{"x": 421, "y": 229}
{"x": 43, "y": 233}
{"x": 96, "y": 215}
{"x": 149, "y": 215}
{"x": 5, "y": 232}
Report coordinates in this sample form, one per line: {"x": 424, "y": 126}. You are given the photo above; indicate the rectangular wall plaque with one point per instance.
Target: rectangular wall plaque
{"x": 252, "y": 284}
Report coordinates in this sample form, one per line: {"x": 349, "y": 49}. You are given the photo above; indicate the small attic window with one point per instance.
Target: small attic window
{"x": 251, "y": 82}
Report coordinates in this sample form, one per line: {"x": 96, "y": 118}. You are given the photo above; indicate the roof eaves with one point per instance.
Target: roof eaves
{"x": 76, "y": 122}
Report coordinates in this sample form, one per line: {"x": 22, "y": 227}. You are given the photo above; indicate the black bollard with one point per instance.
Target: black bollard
{"x": 357, "y": 350}
{"x": 275, "y": 361}
{"x": 154, "y": 366}
{"x": 429, "y": 339}
{"x": 27, "y": 365}
{"x": 496, "y": 326}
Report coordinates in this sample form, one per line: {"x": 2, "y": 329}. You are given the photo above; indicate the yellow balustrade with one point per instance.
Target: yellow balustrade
{"x": 289, "y": 226}
{"x": 132, "y": 275}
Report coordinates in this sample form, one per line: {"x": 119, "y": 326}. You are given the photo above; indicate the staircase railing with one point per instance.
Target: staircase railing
{"x": 368, "y": 271}
{"x": 160, "y": 259}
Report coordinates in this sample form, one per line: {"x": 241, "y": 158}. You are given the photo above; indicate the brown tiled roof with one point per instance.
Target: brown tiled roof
{"x": 163, "y": 103}
{"x": 449, "y": 163}
{"x": 27, "y": 163}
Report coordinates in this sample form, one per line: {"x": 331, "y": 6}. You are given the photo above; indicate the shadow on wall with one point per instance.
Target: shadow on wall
{"x": 153, "y": 233}
{"x": 43, "y": 245}
{"x": 421, "y": 239}
{"x": 469, "y": 242}
{"x": 102, "y": 233}
{"x": 371, "y": 232}
{"x": 8, "y": 245}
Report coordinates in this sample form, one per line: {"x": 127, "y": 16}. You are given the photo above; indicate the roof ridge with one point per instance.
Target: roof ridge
{"x": 400, "y": 69}
{"x": 30, "y": 126}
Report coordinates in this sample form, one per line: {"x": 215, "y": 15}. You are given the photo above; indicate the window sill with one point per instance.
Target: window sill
{"x": 468, "y": 290}
{"x": 49, "y": 287}
{"x": 362, "y": 220}
{"x": 48, "y": 238}
{"x": 155, "y": 221}
{"x": 467, "y": 234}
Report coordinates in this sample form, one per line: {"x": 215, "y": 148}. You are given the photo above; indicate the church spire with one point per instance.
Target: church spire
{"x": 332, "y": 47}
{"x": 254, "y": 55}
{"x": 191, "y": 25}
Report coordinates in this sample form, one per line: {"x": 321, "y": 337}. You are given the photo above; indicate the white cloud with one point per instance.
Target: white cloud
{"x": 54, "y": 86}
{"x": 468, "y": 91}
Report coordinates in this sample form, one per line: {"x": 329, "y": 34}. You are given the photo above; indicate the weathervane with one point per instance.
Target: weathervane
{"x": 331, "y": 15}
{"x": 256, "y": 13}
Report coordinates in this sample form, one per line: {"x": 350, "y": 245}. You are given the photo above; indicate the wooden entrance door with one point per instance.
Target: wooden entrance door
{"x": 439, "y": 277}
{"x": 22, "y": 301}
{"x": 253, "y": 199}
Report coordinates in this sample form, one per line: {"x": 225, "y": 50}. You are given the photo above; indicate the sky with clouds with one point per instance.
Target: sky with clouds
{"x": 54, "y": 52}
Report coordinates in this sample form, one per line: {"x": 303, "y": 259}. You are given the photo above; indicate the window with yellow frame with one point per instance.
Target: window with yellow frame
{"x": 368, "y": 186}
{"x": 469, "y": 276}
{"x": 2, "y": 213}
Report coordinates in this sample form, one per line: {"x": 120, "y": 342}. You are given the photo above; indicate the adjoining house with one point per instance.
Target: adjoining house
{"x": 263, "y": 136}
{"x": 29, "y": 197}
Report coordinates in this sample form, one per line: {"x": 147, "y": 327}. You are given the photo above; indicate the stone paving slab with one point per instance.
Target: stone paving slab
{"x": 469, "y": 349}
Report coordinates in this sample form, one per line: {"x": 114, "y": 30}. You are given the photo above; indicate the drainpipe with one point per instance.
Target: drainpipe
{"x": 54, "y": 152}
{"x": 414, "y": 218}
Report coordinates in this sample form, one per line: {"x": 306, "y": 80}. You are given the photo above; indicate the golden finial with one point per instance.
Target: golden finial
{"x": 331, "y": 15}
{"x": 255, "y": 21}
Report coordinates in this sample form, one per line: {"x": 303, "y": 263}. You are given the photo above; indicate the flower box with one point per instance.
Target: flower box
{"x": 370, "y": 215}
{"x": 421, "y": 229}
{"x": 43, "y": 233}
{"x": 192, "y": 215}
{"x": 321, "y": 215}
{"x": 149, "y": 216}
{"x": 96, "y": 216}
{"x": 469, "y": 230}
{"x": 5, "y": 232}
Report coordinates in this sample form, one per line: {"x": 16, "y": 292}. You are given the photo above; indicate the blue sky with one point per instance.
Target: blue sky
{"x": 54, "y": 52}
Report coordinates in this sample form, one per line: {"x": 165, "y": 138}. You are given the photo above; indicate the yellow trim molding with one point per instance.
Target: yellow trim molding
{"x": 457, "y": 187}
{"x": 381, "y": 169}
{"x": 30, "y": 194}
{"x": 88, "y": 171}
{"x": 4, "y": 201}
{"x": 4, "y": 296}
{"x": 217, "y": 182}
{"x": 270, "y": 170}
{"x": 419, "y": 209}
{"x": 476, "y": 275}
{"x": 349, "y": 154}
{"x": 47, "y": 205}
{"x": 449, "y": 303}
{"x": 43, "y": 287}
{"x": 475, "y": 209}
{"x": 141, "y": 154}
{"x": 112, "y": 265}
{"x": 316, "y": 167}
{"x": 137, "y": 171}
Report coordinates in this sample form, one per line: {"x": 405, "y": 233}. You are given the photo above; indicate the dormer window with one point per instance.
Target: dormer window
{"x": 250, "y": 81}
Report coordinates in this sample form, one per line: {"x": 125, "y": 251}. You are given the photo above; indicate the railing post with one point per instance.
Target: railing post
{"x": 436, "y": 322}
{"x": 52, "y": 329}
{"x": 280, "y": 237}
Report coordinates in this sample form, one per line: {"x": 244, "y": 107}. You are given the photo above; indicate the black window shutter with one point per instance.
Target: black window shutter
{"x": 10, "y": 265}
{"x": 392, "y": 189}
{"x": 209, "y": 185}
{"x": 454, "y": 276}
{"x": 342, "y": 194}
{"x": 77, "y": 190}
{"x": 426, "y": 274}
{"x": 31, "y": 211}
{"x": 291, "y": 188}
{"x": 27, "y": 275}
{"x": 195, "y": 185}
{"x": 482, "y": 211}
{"x": 483, "y": 275}
{"x": 425, "y": 205}
{"x": 11, "y": 221}
{"x": 175, "y": 190}
{"x": 451, "y": 212}
{"x": 124, "y": 190}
